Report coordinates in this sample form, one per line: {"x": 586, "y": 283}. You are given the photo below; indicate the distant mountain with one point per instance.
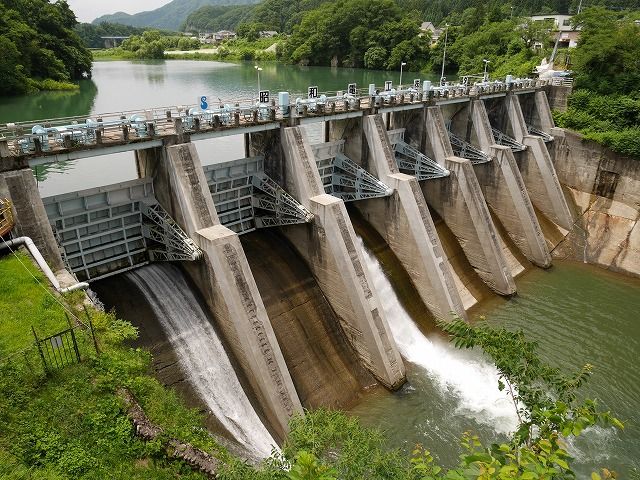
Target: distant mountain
{"x": 168, "y": 17}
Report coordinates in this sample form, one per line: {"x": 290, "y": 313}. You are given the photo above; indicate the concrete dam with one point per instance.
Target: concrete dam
{"x": 272, "y": 298}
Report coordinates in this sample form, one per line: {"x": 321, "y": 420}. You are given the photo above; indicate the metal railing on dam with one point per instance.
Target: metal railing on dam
{"x": 46, "y": 141}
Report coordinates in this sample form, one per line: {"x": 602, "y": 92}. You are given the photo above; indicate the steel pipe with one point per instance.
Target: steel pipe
{"x": 42, "y": 264}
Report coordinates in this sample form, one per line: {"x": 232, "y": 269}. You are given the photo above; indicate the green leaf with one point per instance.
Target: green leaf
{"x": 595, "y": 476}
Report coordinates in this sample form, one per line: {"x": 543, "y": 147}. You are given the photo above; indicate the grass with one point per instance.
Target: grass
{"x": 24, "y": 303}
{"x": 71, "y": 424}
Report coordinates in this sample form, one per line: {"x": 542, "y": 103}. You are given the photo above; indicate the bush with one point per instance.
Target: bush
{"x": 611, "y": 120}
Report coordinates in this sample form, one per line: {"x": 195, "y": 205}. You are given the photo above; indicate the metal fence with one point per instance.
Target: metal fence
{"x": 61, "y": 349}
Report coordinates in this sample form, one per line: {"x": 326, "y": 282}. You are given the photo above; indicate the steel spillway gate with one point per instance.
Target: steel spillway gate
{"x": 539, "y": 133}
{"x": 413, "y": 162}
{"x": 114, "y": 228}
{"x": 342, "y": 177}
{"x": 246, "y": 198}
{"x": 505, "y": 140}
{"x": 463, "y": 149}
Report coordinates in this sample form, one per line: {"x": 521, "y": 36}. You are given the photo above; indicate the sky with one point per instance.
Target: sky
{"x": 87, "y": 10}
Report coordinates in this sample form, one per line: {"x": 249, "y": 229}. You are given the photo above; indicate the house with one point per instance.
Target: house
{"x": 561, "y": 23}
{"x": 268, "y": 33}
{"x": 566, "y": 35}
{"x": 206, "y": 37}
{"x": 432, "y": 29}
{"x": 223, "y": 35}
{"x": 568, "y": 39}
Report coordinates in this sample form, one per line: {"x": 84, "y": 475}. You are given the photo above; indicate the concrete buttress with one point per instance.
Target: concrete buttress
{"x": 30, "y": 215}
{"x": 329, "y": 247}
{"x": 404, "y": 221}
{"x": 226, "y": 282}
{"x": 537, "y": 170}
{"x": 459, "y": 201}
{"x": 505, "y": 192}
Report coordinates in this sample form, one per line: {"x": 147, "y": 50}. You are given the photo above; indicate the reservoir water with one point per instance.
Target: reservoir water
{"x": 577, "y": 313}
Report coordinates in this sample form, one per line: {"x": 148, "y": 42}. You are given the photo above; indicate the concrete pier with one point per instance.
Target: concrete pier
{"x": 30, "y": 216}
{"x": 459, "y": 201}
{"x": 537, "y": 170}
{"x": 505, "y": 192}
{"x": 404, "y": 221}
{"x": 225, "y": 281}
{"x": 329, "y": 247}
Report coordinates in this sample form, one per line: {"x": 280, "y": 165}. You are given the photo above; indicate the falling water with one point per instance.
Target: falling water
{"x": 469, "y": 377}
{"x": 201, "y": 353}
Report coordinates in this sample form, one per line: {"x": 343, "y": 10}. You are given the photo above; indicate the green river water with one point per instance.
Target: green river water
{"x": 576, "y": 312}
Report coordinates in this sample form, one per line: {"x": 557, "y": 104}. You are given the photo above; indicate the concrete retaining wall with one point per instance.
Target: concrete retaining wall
{"x": 605, "y": 188}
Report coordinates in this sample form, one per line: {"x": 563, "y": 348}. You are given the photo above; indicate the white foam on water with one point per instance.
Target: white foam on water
{"x": 201, "y": 354}
{"x": 466, "y": 375}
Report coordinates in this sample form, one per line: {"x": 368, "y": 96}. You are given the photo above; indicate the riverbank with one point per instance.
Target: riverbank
{"x": 71, "y": 423}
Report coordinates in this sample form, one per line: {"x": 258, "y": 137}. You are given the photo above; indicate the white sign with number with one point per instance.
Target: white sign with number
{"x": 312, "y": 92}
{"x": 388, "y": 85}
{"x": 264, "y": 96}
{"x": 352, "y": 89}
{"x": 416, "y": 84}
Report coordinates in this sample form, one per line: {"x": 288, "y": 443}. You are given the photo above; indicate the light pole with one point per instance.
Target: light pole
{"x": 444, "y": 53}
{"x": 402, "y": 64}
{"x": 258, "y": 70}
{"x": 486, "y": 62}
{"x": 511, "y": 12}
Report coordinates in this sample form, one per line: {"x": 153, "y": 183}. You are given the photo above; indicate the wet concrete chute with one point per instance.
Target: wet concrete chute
{"x": 252, "y": 265}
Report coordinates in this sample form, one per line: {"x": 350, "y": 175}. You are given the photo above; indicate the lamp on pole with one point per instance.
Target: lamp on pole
{"x": 444, "y": 53}
{"x": 486, "y": 62}
{"x": 402, "y": 64}
{"x": 258, "y": 70}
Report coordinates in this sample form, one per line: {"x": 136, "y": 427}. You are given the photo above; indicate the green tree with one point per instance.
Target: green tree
{"x": 40, "y": 43}
{"x": 375, "y": 58}
{"x": 606, "y": 58}
{"x": 250, "y": 31}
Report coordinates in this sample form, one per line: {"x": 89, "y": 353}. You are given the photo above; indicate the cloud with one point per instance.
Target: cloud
{"x": 88, "y": 10}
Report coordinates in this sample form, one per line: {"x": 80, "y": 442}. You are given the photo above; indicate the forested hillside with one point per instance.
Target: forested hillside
{"x": 170, "y": 16}
{"x": 213, "y": 18}
{"x": 283, "y": 15}
{"x": 39, "y": 46}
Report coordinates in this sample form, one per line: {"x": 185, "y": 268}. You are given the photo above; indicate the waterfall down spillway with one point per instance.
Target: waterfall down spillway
{"x": 472, "y": 380}
{"x": 201, "y": 353}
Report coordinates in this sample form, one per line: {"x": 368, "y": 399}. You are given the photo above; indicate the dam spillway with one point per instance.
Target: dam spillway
{"x": 467, "y": 377}
{"x": 201, "y": 354}
{"x": 449, "y": 252}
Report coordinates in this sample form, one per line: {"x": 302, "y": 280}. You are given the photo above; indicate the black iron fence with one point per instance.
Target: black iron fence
{"x": 61, "y": 349}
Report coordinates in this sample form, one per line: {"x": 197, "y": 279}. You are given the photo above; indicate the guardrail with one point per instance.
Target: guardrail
{"x": 58, "y": 135}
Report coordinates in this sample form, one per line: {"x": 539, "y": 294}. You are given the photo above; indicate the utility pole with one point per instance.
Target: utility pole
{"x": 444, "y": 53}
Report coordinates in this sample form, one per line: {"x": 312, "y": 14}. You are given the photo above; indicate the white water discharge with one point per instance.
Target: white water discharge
{"x": 201, "y": 354}
{"x": 471, "y": 379}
